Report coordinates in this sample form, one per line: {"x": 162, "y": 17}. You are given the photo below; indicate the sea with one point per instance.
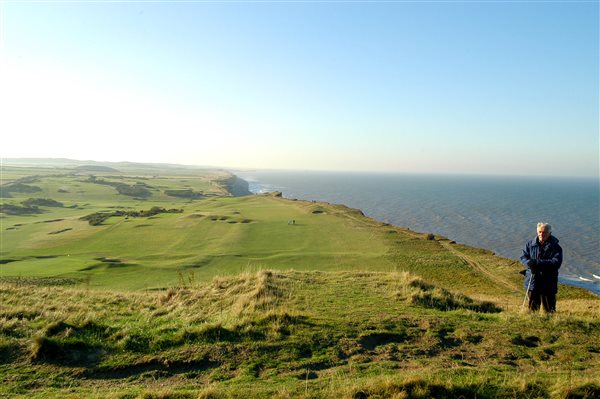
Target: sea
{"x": 498, "y": 213}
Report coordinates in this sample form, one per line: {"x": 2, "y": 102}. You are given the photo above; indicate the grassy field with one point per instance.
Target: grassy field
{"x": 261, "y": 296}
{"x": 212, "y": 235}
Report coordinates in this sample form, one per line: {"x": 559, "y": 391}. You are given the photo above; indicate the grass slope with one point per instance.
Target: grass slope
{"x": 218, "y": 236}
{"x": 289, "y": 334}
{"x": 230, "y": 299}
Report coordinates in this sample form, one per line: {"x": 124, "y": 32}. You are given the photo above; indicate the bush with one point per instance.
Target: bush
{"x": 186, "y": 193}
{"x": 19, "y": 210}
{"x": 21, "y": 188}
{"x": 96, "y": 219}
{"x": 42, "y": 202}
{"x": 139, "y": 190}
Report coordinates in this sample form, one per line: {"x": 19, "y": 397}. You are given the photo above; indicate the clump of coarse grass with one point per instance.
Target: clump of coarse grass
{"x": 168, "y": 394}
{"x": 211, "y": 392}
{"x": 586, "y": 391}
{"x": 210, "y": 332}
{"x": 273, "y": 324}
{"x": 423, "y": 388}
{"x": 263, "y": 295}
{"x": 418, "y": 292}
{"x": 167, "y": 296}
{"x": 380, "y": 388}
{"x": 225, "y": 300}
{"x": 11, "y": 327}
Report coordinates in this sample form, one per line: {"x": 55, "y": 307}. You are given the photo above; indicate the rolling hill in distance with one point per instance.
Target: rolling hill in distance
{"x": 130, "y": 280}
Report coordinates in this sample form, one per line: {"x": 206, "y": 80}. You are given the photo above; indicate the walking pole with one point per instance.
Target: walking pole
{"x": 527, "y": 291}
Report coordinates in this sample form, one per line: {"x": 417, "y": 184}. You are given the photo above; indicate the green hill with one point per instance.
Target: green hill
{"x": 289, "y": 334}
{"x": 260, "y": 296}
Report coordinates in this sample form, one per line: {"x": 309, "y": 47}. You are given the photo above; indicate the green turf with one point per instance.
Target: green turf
{"x": 230, "y": 299}
{"x": 212, "y": 236}
{"x": 291, "y": 333}
{"x": 249, "y": 232}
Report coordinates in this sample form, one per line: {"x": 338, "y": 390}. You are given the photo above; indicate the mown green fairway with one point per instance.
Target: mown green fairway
{"x": 215, "y": 236}
{"x": 211, "y": 236}
{"x": 54, "y": 241}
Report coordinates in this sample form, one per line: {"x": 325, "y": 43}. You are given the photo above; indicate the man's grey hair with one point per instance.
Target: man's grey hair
{"x": 545, "y": 226}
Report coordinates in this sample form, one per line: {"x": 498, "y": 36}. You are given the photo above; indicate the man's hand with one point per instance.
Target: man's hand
{"x": 532, "y": 264}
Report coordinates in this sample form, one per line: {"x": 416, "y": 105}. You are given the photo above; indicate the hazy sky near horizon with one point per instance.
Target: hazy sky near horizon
{"x": 498, "y": 87}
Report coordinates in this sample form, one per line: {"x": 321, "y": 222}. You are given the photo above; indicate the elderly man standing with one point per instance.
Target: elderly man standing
{"x": 542, "y": 256}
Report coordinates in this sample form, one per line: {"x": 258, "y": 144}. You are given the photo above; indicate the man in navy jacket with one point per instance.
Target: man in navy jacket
{"x": 542, "y": 256}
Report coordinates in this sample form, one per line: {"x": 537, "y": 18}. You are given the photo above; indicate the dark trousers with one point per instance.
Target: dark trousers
{"x": 547, "y": 301}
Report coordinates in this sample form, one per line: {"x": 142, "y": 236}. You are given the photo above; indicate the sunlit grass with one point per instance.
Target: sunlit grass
{"x": 229, "y": 299}
{"x": 277, "y": 332}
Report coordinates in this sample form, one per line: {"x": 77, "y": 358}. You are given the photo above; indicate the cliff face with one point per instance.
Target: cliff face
{"x": 237, "y": 187}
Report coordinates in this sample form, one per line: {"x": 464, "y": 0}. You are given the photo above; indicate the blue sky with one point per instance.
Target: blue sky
{"x": 433, "y": 87}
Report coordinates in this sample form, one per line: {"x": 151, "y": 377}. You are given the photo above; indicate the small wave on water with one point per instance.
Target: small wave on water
{"x": 492, "y": 212}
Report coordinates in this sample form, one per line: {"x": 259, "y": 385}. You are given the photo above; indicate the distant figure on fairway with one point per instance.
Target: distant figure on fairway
{"x": 542, "y": 256}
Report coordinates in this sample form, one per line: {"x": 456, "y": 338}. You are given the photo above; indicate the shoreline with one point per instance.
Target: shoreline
{"x": 570, "y": 280}
{"x": 236, "y": 186}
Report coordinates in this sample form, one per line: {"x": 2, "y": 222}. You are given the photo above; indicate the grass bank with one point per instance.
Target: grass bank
{"x": 261, "y": 296}
{"x": 289, "y": 334}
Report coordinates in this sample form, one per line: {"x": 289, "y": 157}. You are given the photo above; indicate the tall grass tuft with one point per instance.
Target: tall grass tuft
{"x": 418, "y": 292}
{"x": 263, "y": 295}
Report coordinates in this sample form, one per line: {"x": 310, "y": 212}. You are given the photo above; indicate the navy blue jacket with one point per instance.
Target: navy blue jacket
{"x": 542, "y": 263}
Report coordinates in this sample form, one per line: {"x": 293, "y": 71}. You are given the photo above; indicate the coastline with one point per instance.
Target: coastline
{"x": 590, "y": 285}
{"x": 237, "y": 186}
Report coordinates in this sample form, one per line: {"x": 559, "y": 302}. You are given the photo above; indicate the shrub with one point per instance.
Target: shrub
{"x": 42, "y": 202}
{"x": 21, "y": 188}
{"x": 185, "y": 193}
{"x": 137, "y": 190}
{"x": 19, "y": 210}
{"x": 96, "y": 219}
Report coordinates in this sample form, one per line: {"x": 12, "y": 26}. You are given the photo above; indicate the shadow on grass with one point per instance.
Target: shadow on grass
{"x": 153, "y": 368}
{"x": 529, "y": 342}
{"x": 423, "y": 294}
{"x": 71, "y": 345}
{"x": 420, "y": 389}
{"x": 587, "y": 391}
{"x": 74, "y": 353}
{"x": 8, "y": 353}
{"x": 373, "y": 339}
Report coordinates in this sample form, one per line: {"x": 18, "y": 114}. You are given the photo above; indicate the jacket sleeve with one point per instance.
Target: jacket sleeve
{"x": 525, "y": 257}
{"x": 554, "y": 262}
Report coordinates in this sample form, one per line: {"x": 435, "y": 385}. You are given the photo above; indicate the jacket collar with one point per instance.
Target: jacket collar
{"x": 551, "y": 240}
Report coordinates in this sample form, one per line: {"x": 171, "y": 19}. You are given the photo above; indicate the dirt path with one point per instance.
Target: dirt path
{"x": 477, "y": 266}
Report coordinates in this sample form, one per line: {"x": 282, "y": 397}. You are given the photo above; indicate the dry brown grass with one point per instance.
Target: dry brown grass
{"x": 351, "y": 329}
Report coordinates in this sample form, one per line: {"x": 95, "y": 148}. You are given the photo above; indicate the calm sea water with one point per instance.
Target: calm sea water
{"x": 496, "y": 213}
